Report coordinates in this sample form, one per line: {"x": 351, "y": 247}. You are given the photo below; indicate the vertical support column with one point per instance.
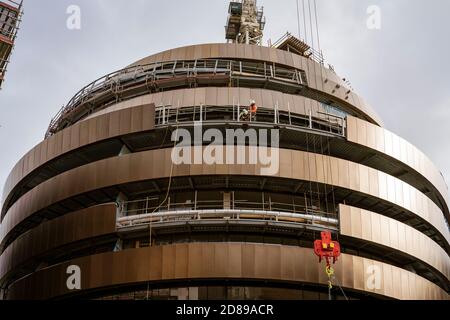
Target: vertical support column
{"x": 278, "y": 113}
{"x": 306, "y": 203}
{"x": 121, "y": 205}
{"x": 201, "y": 112}
{"x": 195, "y": 199}
{"x": 3, "y": 293}
{"x": 226, "y": 200}
{"x": 233, "y": 199}
{"x": 164, "y": 115}
{"x": 119, "y": 246}
{"x": 263, "y": 201}
{"x": 289, "y": 111}
{"x": 238, "y": 113}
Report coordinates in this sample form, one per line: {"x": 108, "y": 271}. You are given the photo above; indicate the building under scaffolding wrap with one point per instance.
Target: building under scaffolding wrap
{"x": 10, "y": 15}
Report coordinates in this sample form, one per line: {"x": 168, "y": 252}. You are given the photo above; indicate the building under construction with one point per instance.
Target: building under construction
{"x": 101, "y": 192}
{"x": 10, "y": 15}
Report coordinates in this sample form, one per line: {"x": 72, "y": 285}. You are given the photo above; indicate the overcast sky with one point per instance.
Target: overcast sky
{"x": 402, "y": 70}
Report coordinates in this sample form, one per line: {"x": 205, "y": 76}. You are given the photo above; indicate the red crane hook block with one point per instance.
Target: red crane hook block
{"x": 326, "y": 248}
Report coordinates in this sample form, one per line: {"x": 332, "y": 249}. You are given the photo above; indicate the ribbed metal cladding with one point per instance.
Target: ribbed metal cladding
{"x": 215, "y": 261}
{"x": 90, "y": 194}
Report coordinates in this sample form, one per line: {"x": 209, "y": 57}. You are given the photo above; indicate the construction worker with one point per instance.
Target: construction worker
{"x": 244, "y": 115}
{"x": 253, "y": 110}
{"x": 253, "y": 107}
{"x": 250, "y": 113}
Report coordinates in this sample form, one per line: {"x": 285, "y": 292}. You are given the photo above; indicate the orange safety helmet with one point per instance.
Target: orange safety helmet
{"x": 253, "y": 106}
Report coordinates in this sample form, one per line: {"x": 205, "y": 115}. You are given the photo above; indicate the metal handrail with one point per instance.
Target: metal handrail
{"x": 335, "y": 124}
{"x": 224, "y": 214}
{"x": 145, "y": 209}
{"x": 314, "y": 54}
{"x": 169, "y": 70}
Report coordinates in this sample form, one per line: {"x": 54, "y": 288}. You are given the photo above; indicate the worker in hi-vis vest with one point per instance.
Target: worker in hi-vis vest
{"x": 250, "y": 113}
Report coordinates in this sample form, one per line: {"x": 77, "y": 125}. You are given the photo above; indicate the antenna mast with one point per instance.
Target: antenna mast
{"x": 245, "y": 22}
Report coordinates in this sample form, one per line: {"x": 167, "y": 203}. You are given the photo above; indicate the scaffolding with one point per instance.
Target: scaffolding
{"x": 158, "y": 77}
{"x": 321, "y": 119}
{"x": 10, "y": 17}
{"x": 138, "y": 80}
{"x": 299, "y": 211}
{"x": 295, "y": 45}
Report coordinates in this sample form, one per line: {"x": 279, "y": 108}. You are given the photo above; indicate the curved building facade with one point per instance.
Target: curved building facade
{"x": 102, "y": 196}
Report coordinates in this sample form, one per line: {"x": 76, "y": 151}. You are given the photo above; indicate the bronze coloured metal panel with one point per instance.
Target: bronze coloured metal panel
{"x": 393, "y": 235}
{"x": 397, "y": 148}
{"x": 156, "y": 164}
{"x": 351, "y": 271}
{"x": 80, "y": 225}
{"x": 137, "y": 119}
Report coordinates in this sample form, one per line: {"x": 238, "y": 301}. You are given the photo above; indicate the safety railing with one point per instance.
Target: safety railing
{"x": 321, "y": 120}
{"x": 310, "y": 53}
{"x": 140, "y": 212}
{"x": 146, "y": 76}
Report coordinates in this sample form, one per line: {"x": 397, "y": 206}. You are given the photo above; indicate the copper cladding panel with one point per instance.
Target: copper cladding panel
{"x": 80, "y": 225}
{"x": 384, "y": 141}
{"x": 395, "y": 235}
{"x": 157, "y": 164}
{"x": 221, "y": 261}
{"x": 103, "y": 127}
{"x": 110, "y": 125}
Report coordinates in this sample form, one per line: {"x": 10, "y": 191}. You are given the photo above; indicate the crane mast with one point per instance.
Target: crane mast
{"x": 245, "y": 22}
